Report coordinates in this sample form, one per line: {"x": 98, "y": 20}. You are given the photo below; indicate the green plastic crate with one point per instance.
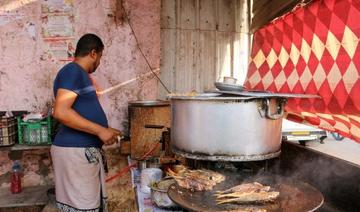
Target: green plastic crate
{"x": 37, "y": 132}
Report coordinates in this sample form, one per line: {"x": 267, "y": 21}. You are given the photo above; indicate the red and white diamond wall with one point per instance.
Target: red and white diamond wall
{"x": 313, "y": 50}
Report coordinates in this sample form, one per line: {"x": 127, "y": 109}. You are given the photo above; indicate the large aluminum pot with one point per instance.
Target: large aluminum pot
{"x": 226, "y": 128}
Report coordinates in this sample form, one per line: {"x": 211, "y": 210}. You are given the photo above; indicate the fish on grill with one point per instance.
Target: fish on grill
{"x": 246, "y": 193}
{"x": 246, "y": 187}
{"x": 247, "y": 210}
{"x": 198, "y": 180}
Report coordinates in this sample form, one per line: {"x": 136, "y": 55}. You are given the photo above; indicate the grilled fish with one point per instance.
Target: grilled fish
{"x": 198, "y": 180}
{"x": 247, "y": 187}
{"x": 247, "y": 210}
{"x": 246, "y": 193}
{"x": 261, "y": 196}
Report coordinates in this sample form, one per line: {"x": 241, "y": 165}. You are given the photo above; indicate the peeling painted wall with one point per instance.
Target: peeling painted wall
{"x": 36, "y": 167}
{"x": 26, "y": 80}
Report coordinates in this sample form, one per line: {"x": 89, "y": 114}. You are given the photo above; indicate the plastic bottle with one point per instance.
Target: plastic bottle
{"x": 16, "y": 178}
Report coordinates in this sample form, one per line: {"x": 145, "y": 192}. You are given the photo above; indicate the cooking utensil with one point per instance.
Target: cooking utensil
{"x": 295, "y": 196}
{"x": 266, "y": 94}
{"x": 228, "y": 87}
{"x": 226, "y": 128}
{"x": 159, "y": 194}
{"x": 230, "y": 80}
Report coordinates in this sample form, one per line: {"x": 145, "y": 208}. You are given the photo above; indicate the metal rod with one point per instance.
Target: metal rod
{"x": 123, "y": 83}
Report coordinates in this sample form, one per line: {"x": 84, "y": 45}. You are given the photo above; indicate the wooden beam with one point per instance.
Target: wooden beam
{"x": 264, "y": 11}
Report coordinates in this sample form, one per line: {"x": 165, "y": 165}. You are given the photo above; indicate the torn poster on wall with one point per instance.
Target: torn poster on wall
{"x": 57, "y": 6}
{"x": 58, "y": 26}
{"x": 62, "y": 50}
{"x": 7, "y": 15}
{"x": 58, "y": 30}
{"x": 9, "y": 10}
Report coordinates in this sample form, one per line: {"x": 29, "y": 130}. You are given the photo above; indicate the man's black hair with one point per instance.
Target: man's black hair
{"x": 87, "y": 43}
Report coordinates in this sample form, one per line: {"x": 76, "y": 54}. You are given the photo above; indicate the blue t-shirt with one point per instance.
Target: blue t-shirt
{"x": 73, "y": 78}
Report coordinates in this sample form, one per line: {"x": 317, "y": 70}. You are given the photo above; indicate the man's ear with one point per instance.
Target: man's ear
{"x": 93, "y": 53}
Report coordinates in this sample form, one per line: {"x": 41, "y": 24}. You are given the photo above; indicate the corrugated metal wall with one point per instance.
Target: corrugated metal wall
{"x": 202, "y": 41}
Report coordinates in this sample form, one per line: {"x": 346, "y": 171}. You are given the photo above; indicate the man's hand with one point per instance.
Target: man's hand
{"x": 109, "y": 135}
{"x": 117, "y": 132}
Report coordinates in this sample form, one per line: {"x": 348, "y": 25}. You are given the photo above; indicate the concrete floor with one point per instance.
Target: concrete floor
{"x": 346, "y": 149}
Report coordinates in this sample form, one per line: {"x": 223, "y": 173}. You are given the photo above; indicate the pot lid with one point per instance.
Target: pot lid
{"x": 210, "y": 97}
{"x": 266, "y": 94}
{"x": 144, "y": 103}
{"x": 238, "y": 95}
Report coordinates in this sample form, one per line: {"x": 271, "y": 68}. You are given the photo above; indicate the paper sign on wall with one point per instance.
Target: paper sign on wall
{"x": 58, "y": 29}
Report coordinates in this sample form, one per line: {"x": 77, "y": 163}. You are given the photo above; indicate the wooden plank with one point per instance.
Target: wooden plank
{"x": 257, "y": 4}
{"x": 185, "y": 60}
{"x": 167, "y": 61}
{"x": 30, "y": 196}
{"x": 207, "y": 12}
{"x": 168, "y": 15}
{"x": 226, "y": 19}
{"x": 207, "y": 60}
{"x": 217, "y": 71}
{"x": 242, "y": 16}
{"x": 241, "y": 56}
{"x": 231, "y": 43}
{"x": 187, "y": 14}
{"x": 270, "y": 11}
{"x": 194, "y": 55}
{"x": 223, "y": 52}
{"x": 196, "y": 74}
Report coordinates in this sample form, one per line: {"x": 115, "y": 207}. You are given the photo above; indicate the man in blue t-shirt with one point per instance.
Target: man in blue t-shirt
{"x": 76, "y": 151}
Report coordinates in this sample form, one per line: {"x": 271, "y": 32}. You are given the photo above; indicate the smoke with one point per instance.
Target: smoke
{"x": 336, "y": 179}
{"x": 315, "y": 168}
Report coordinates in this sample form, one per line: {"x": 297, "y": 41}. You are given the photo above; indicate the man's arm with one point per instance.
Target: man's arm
{"x": 66, "y": 115}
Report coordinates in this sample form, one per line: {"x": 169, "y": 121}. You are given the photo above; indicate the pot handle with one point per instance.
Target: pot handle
{"x": 280, "y": 109}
